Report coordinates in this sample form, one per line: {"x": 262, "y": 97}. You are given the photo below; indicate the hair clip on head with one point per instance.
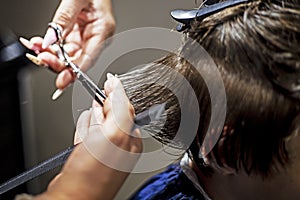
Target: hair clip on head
{"x": 185, "y": 17}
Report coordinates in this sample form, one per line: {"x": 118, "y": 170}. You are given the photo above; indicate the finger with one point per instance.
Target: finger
{"x": 37, "y": 40}
{"x": 95, "y": 34}
{"x": 30, "y": 45}
{"x": 35, "y": 44}
{"x": 84, "y": 61}
{"x": 82, "y": 127}
{"x": 117, "y": 107}
{"x": 55, "y": 63}
{"x": 97, "y": 116}
{"x": 73, "y": 42}
{"x": 108, "y": 88}
{"x": 64, "y": 78}
{"x": 107, "y": 84}
{"x": 54, "y": 180}
{"x": 72, "y": 49}
{"x": 91, "y": 49}
{"x": 116, "y": 94}
{"x": 114, "y": 85}
{"x": 98, "y": 30}
{"x": 65, "y": 16}
{"x": 95, "y": 104}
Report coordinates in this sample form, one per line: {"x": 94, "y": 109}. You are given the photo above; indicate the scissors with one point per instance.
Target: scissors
{"x": 87, "y": 83}
{"x": 141, "y": 119}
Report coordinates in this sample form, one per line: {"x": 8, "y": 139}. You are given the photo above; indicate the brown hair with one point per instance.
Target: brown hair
{"x": 256, "y": 48}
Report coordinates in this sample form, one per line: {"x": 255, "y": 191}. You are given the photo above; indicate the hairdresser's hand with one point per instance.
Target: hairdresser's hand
{"x": 86, "y": 25}
{"x": 106, "y": 140}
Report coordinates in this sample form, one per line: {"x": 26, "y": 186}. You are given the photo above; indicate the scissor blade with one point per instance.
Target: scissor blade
{"x": 55, "y": 161}
{"x": 91, "y": 88}
{"x": 88, "y": 84}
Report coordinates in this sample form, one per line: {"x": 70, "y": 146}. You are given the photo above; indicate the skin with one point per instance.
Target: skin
{"x": 86, "y": 24}
{"x": 84, "y": 176}
{"x": 281, "y": 185}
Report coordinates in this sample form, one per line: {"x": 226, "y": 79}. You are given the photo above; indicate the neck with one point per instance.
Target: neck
{"x": 241, "y": 186}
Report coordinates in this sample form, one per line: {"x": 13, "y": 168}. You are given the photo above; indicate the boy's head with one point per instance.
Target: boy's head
{"x": 256, "y": 47}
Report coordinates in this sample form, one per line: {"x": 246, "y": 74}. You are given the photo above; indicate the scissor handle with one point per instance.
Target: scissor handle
{"x": 87, "y": 83}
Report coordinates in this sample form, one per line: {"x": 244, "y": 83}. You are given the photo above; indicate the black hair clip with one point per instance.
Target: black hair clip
{"x": 184, "y": 17}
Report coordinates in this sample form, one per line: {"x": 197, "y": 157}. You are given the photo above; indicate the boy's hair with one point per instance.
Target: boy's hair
{"x": 256, "y": 47}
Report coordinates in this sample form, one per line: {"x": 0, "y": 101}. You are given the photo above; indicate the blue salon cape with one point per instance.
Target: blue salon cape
{"x": 170, "y": 184}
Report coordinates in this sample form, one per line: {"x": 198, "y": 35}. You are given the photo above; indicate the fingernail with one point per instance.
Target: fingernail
{"x": 25, "y": 42}
{"x": 29, "y": 45}
{"x": 57, "y": 94}
{"x": 109, "y": 75}
{"x": 49, "y": 38}
{"x": 36, "y": 60}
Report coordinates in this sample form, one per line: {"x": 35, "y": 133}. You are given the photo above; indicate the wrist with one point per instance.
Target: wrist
{"x": 84, "y": 177}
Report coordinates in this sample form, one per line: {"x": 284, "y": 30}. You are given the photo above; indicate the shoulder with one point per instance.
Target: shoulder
{"x": 170, "y": 184}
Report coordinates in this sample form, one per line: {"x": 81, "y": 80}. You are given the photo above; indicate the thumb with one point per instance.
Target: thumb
{"x": 65, "y": 16}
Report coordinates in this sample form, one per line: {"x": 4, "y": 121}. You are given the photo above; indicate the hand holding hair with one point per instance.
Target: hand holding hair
{"x": 84, "y": 176}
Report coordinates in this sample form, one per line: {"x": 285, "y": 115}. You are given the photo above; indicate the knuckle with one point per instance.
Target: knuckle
{"x": 131, "y": 109}
{"x": 64, "y": 18}
{"x": 110, "y": 26}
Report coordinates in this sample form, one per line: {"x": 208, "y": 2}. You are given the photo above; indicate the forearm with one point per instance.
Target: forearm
{"x": 84, "y": 177}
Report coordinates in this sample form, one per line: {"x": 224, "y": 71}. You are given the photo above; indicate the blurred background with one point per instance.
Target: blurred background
{"x": 32, "y": 126}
